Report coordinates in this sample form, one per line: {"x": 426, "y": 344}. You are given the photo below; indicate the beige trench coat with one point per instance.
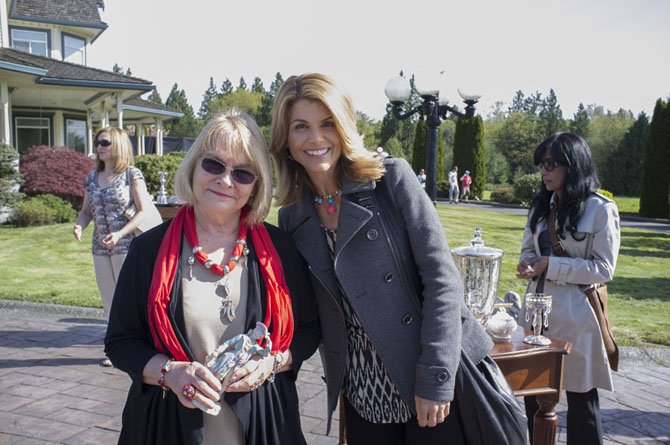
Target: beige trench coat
{"x": 591, "y": 261}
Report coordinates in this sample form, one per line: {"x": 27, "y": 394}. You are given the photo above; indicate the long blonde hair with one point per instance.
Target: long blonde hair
{"x": 122, "y": 149}
{"x": 357, "y": 163}
{"x": 238, "y": 133}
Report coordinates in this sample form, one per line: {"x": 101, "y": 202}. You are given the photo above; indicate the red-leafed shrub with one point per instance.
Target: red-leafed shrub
{"x": 58, "y": 171}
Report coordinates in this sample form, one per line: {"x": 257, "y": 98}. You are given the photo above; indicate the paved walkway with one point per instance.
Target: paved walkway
{"x": 54, "y": 391}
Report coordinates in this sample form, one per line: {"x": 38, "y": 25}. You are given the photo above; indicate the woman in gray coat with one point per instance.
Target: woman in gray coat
{"x": 390, "y": 298}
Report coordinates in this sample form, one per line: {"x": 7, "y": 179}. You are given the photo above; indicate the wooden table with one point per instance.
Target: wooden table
{"x": 535, "y": 371}
{"x": 530, "y": 371}
{"x": 167, "y": 211}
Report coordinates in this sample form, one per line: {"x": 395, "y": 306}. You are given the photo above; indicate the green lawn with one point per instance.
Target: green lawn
{"x": 46, "y": 264}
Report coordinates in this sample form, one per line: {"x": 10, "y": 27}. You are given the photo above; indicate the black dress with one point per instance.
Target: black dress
{"x": 269, "y": 414}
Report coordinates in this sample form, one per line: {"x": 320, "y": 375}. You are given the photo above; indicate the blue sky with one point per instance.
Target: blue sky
{"x": 615, "y": 53}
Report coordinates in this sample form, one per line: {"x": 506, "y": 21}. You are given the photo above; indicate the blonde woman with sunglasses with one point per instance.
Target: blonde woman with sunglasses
{"x": 109, "y": 188}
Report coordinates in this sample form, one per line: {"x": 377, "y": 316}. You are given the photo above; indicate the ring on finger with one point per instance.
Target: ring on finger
{"x": 188, "y": 391}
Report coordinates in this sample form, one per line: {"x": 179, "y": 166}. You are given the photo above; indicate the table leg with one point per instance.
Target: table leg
{"x": 343, "y": 427}
{"x": 545, "y": 422}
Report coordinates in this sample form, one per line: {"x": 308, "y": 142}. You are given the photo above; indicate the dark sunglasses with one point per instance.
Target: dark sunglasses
{"x": 214, "y": 167}
{"x": 103, "y": 142}
{"x": 548, "y": 164}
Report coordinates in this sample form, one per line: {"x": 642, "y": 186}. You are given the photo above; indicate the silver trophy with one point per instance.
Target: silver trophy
{"x": 479, "y": 266}
{"x": 162, "y": 194}
{"x": 232, "y": 354}
{"x": 538, "y": 308}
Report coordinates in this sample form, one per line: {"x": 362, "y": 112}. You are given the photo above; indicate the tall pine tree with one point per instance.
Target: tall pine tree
{"x": 419, "y": 149}
{"x": 470, "y": 152}
{"x": 550, "y": 119}
{"x": 580, "y": 122}
{"x": 226, "y": 88}
{"x": 208, "y": 96}
{"x": 655, "y": 178}
{"x": 624, "y": 165}
{"x": 187, "y": 126}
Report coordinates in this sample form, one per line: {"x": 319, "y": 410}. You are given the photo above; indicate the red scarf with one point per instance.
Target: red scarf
{"x": 278, "y": 314}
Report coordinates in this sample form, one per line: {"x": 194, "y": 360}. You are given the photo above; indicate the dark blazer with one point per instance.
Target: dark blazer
{"x": 150, "y": 418}
{"x": 393, "y": 263}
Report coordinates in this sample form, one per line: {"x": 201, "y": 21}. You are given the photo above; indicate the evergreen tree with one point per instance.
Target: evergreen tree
{"x": 624, "y": 166}
{"x": 580, "y": 122}
{"x": 155, "y": 97}
{"x": 242, "y": 85}
{"x": 518, "y": 102}
{"x": 226, "y": 88}
{"x": 129, "y": 73}
{"x": 208, "y": 96}
{"x": 10, "y": 179}
{"x": 257, "y": 86}
{"x": 264, "y": 113}
{"x": 393, "y": 148}
{"x": 419, "y": 148}
{"x": 117, "y": 69}
{"x": 655, "y": 178}
{"x": 389, "y": 126}
{"x": 186, "y": 126}
{"x": 550, "y": 117}
{"x": 533, "y": 103}
{"x": 470, "y": 152}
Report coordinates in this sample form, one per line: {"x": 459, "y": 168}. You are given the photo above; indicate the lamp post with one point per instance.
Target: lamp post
{"x": 398, "y": 90}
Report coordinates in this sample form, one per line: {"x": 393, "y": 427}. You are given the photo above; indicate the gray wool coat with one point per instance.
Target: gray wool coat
{"x": 393, "y": 263}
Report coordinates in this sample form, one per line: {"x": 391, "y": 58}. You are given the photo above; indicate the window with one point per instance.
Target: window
{"x": 32, "y": 131}
{"x": 75, "y": 134}
{"x": 74, "y": 49}
{"x": 30, "y": 41}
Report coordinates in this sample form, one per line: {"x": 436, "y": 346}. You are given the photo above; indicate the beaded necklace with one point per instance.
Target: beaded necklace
{"x": 240, "y": 250}
{"x": 329, "y": 199}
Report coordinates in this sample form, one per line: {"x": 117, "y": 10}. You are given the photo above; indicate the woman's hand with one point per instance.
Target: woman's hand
{"x": 429, "y": 412}
{"x": 252, "y": 375}
{"x": 76, "y": 231}
{"x": 207, "y": 386}
{"x": 532, "y": 267}
{"x": 110, "y": 240}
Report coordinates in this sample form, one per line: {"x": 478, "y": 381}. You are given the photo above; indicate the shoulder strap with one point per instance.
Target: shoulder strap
{"x": 556, "y": 245}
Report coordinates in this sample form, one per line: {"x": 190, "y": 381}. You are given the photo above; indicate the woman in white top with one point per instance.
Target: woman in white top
{"x": 587, "y": 226}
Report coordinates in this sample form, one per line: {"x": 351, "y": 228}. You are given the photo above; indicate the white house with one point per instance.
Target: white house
{"x": 48, "y": 94}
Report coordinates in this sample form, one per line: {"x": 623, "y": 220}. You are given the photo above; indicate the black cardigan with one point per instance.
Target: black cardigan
{"x": 269, "y": 414}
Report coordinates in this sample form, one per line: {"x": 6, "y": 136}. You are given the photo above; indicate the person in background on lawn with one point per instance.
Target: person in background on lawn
{"x": 109, "y": 190}
{"x": 422, "y": 178}
{"x": 453, "y": 185}
{"x": 587, "y": 229}
{"x": 466, "y": 180}
{"x": 212, "y": 274}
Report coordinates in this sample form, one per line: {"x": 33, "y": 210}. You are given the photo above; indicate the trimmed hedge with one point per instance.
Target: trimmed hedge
{"x": 42, "y": 210}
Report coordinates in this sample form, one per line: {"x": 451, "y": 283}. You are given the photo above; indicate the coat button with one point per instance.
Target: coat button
{"x": 388, "y": 277}
{"x": 407, "y": 319}
{"x": 372, "y": 234}
{"x": 443, "y": 376}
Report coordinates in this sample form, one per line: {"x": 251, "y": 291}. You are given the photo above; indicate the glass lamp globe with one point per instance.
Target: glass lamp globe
{"x": 398, "y": 89}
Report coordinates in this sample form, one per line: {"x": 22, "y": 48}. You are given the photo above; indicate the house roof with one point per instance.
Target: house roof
{"x": 58, "y": 72}
{"x": 138, "y": 104}
{"x": 64, "y": 12}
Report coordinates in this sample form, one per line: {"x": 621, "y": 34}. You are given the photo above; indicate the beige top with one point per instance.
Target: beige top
{"x": 206, "y": 329}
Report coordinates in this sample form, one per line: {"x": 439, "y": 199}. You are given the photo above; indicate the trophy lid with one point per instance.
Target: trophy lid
{"x": 477, "y": 248}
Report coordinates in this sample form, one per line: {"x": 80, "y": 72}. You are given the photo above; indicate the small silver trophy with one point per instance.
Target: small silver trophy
{"x": 538, "y": 306}
{"x": 162, "y": 199}
{"x": 232, "y": 354}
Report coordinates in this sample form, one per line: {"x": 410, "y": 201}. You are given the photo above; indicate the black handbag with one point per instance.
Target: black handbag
{"x": 489, "y": 411}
